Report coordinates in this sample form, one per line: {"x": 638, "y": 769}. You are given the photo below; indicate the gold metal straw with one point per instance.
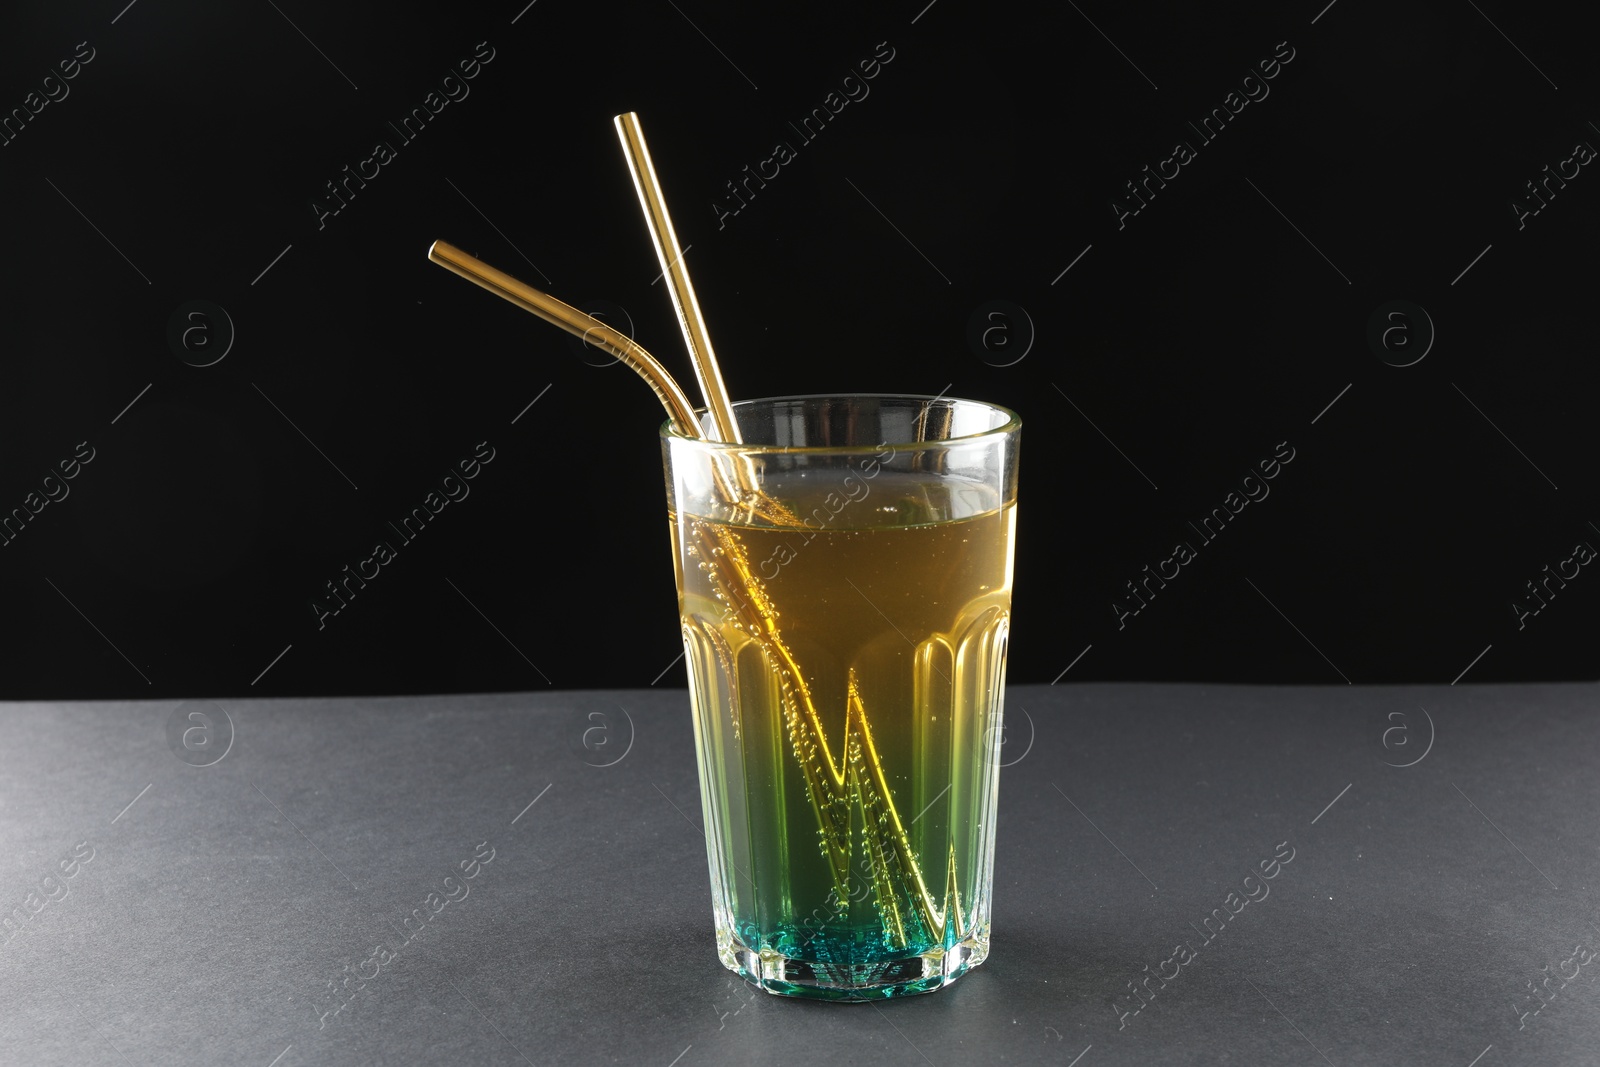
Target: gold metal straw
{"x": 676, "y": 275}
{"x": 592, "y": 331}
{"x": 586, "y": 328}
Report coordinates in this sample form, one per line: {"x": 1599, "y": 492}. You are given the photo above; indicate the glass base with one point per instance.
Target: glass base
{"x": 879, "y": 980}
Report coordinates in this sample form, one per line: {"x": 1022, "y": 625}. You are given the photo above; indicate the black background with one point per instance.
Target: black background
{"x": 1176, "y": 352}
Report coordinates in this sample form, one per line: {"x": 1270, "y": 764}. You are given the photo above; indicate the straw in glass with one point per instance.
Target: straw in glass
{"x": 828, "y": 780}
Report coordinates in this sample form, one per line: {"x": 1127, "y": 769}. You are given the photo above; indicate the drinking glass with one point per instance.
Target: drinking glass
{"x": 844, "y": 584}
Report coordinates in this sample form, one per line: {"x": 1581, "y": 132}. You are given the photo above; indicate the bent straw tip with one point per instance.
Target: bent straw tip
{"x": 450, "y": 257}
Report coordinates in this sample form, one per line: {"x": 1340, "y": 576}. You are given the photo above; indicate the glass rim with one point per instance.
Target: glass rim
{"x": 1012, "y": 424}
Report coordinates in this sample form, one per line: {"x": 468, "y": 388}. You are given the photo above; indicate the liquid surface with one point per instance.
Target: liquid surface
{"x": 846, "y": 681}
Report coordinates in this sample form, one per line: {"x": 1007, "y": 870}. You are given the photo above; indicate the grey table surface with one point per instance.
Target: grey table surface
{"x": 287, "y": 903}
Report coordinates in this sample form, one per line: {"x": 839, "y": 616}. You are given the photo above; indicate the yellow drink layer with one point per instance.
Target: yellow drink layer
{"x": 846, "y": 680}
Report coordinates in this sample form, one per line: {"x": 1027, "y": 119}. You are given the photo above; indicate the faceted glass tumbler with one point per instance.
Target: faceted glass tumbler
{"x": 844, "y": 581}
